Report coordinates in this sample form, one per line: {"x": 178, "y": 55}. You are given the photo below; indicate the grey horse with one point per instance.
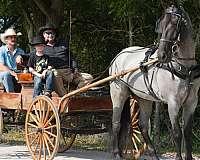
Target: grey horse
{"x": 168, "y": 81}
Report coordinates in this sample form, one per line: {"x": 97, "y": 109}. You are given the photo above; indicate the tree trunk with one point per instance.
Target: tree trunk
{"x": 39, "y": 12}
{"x": 52, "y": 9}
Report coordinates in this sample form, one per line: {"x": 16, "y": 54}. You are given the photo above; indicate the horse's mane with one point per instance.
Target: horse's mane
{"x": 188, "y": 22}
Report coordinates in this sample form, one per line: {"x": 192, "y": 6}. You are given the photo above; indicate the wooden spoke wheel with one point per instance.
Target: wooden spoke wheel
{"x": 66, "y": 141}
{"x": 136, "y": 147}
{"x": 42, "y": 129}
{"x": 67, "y": 137}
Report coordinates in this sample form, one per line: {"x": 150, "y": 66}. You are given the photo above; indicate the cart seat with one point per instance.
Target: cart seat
{"x": 25, "y": 78}
{"x": 96, "y": 91}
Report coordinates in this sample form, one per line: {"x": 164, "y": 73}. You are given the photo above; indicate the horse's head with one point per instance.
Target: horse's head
{"x": 169, "y": 27}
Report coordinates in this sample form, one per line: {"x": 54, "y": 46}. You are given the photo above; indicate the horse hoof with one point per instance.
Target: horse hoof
{"x": 155, "y": 158}
{"x": 178, "y": 158}
{"x": 117, "y": 157}
{"x": 190, "y": 158}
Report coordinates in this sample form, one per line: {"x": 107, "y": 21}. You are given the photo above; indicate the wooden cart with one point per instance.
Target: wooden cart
{"x": 51, "y": 125}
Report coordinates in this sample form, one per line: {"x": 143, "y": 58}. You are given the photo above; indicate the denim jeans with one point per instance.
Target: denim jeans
{"x": 39, "y": 83}
{"x": 7, "y": 79}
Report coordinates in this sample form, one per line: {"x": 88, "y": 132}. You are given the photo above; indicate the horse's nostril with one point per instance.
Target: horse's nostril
{"x": 164, "y": 57}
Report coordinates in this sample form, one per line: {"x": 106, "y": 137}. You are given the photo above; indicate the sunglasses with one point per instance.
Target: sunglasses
{"x": 50, "y": 33}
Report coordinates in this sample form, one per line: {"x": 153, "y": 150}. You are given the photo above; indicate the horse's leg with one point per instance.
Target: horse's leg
{"x": 145, "y": 107}
{"x": 125, "y": 126}
{"x": 173, "y": 109}
{"x": 119, "y": 94}
{"x": 188, "y": 110}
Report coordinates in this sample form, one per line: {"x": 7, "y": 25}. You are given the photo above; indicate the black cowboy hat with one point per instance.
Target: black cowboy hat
{"x": 37, "y": 40}
{"x": 47, "y": 27}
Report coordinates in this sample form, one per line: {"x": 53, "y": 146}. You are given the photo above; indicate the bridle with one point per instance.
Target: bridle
{"x": 181, "y": 20}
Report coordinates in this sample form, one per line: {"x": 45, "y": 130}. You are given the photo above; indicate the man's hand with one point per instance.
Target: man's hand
{"x": 19, "y": 59}
{"x": 14, "y": 75}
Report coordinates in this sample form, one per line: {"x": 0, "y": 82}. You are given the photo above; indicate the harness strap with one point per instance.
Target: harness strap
{"x": 182, "y": 72}
{"x": 189, "y": 86}
{"x": 172, "y": 70}
{"x": 149, "y": 85}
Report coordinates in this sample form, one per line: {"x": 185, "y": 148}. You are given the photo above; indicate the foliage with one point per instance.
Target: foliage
{"x": 100, "y": 29}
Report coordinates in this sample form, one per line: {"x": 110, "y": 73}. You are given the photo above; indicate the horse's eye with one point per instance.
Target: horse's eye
{"x": 174, "y": 48}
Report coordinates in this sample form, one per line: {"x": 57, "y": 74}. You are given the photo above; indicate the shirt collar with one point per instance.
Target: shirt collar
{"x": 7, "y": 50}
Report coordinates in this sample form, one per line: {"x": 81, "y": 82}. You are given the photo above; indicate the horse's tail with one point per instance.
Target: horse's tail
{"x": 125, "y": 125}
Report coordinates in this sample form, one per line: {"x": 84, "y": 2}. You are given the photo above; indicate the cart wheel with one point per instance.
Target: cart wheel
{"x": 42, "y": 128}
{"x": 67, "y": 138}
{"x": 138, "y": 146}
{"x": 66, "y": 141}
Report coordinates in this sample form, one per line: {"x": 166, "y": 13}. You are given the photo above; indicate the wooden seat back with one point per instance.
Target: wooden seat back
{"x": 25, "y": 78}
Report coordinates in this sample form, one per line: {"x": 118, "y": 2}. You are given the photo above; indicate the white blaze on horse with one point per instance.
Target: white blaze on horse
{"x": 168, "y": 81}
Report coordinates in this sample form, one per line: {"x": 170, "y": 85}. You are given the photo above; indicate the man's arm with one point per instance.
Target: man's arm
{"x": 3, "y": 67}
{"x": 6, "y": 69}
{"x": 31, "y": 70}
{"x": 19, "y": 58}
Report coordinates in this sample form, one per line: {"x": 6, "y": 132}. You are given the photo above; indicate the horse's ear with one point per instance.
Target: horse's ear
{"x": 167, "y": 3}
{"x": 158, "y": 28}
{"x": 163, "y": 4}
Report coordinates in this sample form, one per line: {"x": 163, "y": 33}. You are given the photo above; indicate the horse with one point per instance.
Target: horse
{"x": 167, "y": 81}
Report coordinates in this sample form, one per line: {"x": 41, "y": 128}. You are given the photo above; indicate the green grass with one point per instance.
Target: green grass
{"x": 15, "y": 136}
{"x": 91, "y": 142}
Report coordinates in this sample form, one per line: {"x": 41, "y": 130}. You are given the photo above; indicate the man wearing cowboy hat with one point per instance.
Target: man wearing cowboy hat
{"x": 10, "y": 56}
{"x": 0, "y": 41}
{"x": 62, "y": 62}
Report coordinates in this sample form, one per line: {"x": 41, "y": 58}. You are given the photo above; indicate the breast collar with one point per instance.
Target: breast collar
{"x": 177, "y": 69}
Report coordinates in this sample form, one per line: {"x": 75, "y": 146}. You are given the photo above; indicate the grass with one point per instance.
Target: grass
{"x": 16, "y": 136}
{"x": 92, "y": 142}
{"x": 101, "y": 142}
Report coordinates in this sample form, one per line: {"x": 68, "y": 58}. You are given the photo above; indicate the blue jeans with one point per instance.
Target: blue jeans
{"x": 7, "y": 79}
{"x": 39, "y": 82}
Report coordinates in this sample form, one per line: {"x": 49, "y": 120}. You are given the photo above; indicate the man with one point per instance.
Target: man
{"x": 10, "y": 56}
{"x": 0, "y": 41}
{"x": 60, "y": 59}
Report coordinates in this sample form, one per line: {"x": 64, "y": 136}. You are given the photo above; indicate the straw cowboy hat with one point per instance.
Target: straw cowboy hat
{"x": 48, "y": 26}
{"x": 9, "y": 32}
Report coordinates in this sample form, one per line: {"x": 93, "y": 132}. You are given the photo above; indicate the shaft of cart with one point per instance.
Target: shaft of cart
{"x": 109, "y": 78}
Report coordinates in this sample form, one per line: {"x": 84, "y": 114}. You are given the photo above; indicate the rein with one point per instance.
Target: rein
{"x": 185, "y": 59}
{"x": 122, "y": 52}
